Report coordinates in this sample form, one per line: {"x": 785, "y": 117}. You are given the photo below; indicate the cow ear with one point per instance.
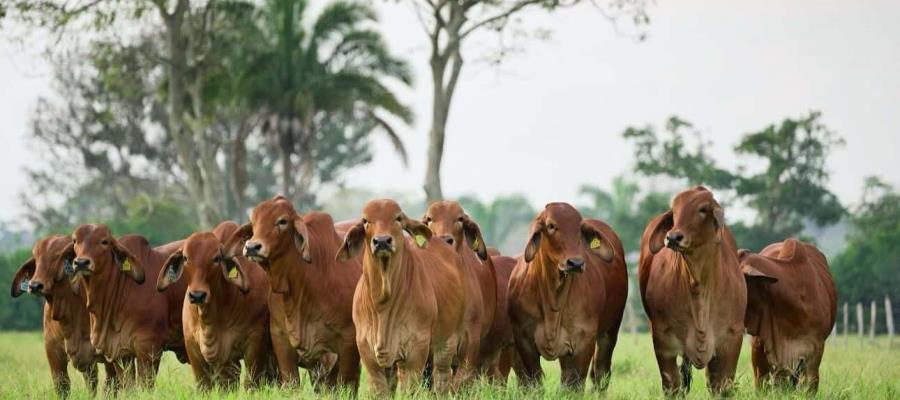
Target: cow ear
{"x": 171, "y": 271}
{"x": 128, "y": 263}
{"x": 301, "y": 239}
{"x": 234, "y": 272}
{"x": 235, "y": 242}
{"x": 792, "y": 251}
{"x": 473, "y": 237}
{"x": 353, "y": 242}
{"x": 419, "y": 231}
{"x": 66, "y": 270}
{"x": 719, "y": 218}
{"x": 664, "y": 224}
{"x": 597, "y": 242}
{"x": 751, "y": 273}
{"x": 534, "y": 239}
{"x": 20, "y": 280}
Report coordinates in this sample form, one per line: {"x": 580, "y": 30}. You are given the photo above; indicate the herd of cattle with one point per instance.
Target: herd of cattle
{"x": 426, "y": 302}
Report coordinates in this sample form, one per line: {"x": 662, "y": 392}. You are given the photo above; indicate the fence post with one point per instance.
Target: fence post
{"x": 846, "y": 322}
{"x": 872, "y": 319}
{"x": 889, "y": 317}
{"x": 860, "y": 321}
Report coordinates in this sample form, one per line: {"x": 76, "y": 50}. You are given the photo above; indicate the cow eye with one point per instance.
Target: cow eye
{"x": 551, "y": 227}
{"x": 703, "y": 212}
{"x": 282, "y": 221}
{"x": 460, "y": 219}
{"x": 399, "y": 218}
{"x": 104, "y": 242}
{"x": 427, "y": 220}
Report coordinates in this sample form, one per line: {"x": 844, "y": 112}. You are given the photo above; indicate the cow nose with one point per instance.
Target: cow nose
{"x": 448, "y": 239}
{"x": 82, "y": 263}
{"x": 674, "y": 238}
{"x": 197, "y": 296}
{"x": 382, "y": 242}
{"x": 575, "y": 264}
{"x": 35, "y": 287}
{"x": 251, "y": 248}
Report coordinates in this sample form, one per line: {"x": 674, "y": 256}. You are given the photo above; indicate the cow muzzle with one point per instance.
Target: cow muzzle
{"x": 197, "y": 297}
{"x": 254, "y": 251}
{"x": 83, "y": 266}
{"x": 383, "y": 245}
{"x": 573, "y": 265}
{"x": 675, "y": 240}
{"x": 36, "y": 288}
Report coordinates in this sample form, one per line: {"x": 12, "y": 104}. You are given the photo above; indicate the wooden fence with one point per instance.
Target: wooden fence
{"x": 874, "y": 315}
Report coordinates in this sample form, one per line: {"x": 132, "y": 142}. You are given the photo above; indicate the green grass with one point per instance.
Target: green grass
{"x": 854, "y": 369}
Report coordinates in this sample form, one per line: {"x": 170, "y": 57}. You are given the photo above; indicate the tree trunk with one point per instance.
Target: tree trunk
{"x": 304, "y": 192}
{"x": 177, "y": 71}
{"x": 238, "y": 177}
{"x": 442, "y": 97}
{"x": 285, "y": 150}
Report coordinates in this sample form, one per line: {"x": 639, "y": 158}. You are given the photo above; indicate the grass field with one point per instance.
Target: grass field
{"x": 854, "y": 369}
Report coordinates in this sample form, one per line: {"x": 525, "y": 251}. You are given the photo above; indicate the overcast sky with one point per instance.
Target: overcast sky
{"x": 550, "y": 119}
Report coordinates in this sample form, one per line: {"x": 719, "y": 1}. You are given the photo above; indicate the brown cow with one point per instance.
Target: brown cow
{"x": 131, "y": 324}
{"x": 225, "y": 316}
{"x": 410, "y": 302}
{"x": 501, "y": 332}
{"x": 693, "y": 291}
{"x": 450, "y": 223}
{"x": 311, "y": 303}
{"x": 791, "y": 307}
{"x": 66, "y": 324}
{"x": 566, "y": 297}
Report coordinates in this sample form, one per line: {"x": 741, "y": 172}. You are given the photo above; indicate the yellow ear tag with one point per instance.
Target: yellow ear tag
{"x": 233, "y": 273}
{"x": 475, "y": 245}
{"x": 420, "y": 240}
{"x": 126, "y": 266}
{"x": 595, "y": 243}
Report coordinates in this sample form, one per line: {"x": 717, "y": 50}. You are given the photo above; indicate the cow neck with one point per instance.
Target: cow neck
{"x": 307, "y": 283}
{"x": 699, "y": 274}
{"x": 386, "y": 281}
{"x": 106, "y": 291}
{"x": 69, "y": 311}
{"x": 554, "y": 292}
{"x": 217, "y": 312}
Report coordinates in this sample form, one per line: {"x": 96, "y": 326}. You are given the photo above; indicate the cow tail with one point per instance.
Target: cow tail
{"x": 685, "y": 374}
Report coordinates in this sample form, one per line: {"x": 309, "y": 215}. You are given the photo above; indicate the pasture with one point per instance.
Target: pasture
{"x": 854, "y": 369}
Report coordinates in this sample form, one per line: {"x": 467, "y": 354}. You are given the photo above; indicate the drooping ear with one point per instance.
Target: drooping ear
{"x": 353, "y": 243}
{"x": 66, "y": 270}
{"x": 235, "y": 242}
{"x": 534, "y": 239}
{"x": 20, "y": 280}
{"x": 597, "y": 242}
{"x": 664, "y": 223}
{"x": 171, "y": 271}
{"x": 752, "y": 273}
{"x": 301, "y": 239}
{"x": 419, "y": 231}
{"x": 234, "y": 272}
{"x": 127, "y": 262}
{"x": 473, "y": 237}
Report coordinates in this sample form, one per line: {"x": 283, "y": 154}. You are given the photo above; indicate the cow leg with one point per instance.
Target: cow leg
{"x": 762, "y": 371}
{"x": 147, "y": 366}
{"x": 575, "y": 367}
{"x": 442, "y": 370}
{"x": 58, "y": 360}
{"x": 285, "y": 356}
{"x": 348, "y": 367}
{"x": 668, "y": 367}
{"x": 528, "y": 371}
{"x": 500, "y": 369}
{"x": 202, "y": 371}
{"x": 91, "y": 377}
{"x": 376, "y": 376}
{"x": 720, "y": 372}
{"x": 230, "y": 375}
{"x": 111, "y": 384}
{"x": 602, "y": 366}
{"x": 811, "y": 372}
{"x": 468, "y": 360}
{"x": 257, "y": 359}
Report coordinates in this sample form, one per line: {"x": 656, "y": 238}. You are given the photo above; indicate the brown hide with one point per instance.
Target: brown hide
{"x": 129, "y": 319}
{"x": 311, "y": 303}
{"x": 791, "y": 308}
{"x": 566, "y": 296}
{"x": 410, "y": 302}
{"x": 225, "y": 313}
{"x": 693, "y": 291}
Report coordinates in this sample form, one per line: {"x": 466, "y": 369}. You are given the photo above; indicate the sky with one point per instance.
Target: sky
{"x": 550, "y": 118}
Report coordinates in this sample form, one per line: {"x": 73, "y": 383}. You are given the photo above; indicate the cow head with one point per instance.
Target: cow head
{"x": 46, "y": 272}
{"x": 449, "y": 222}
{"x": 273, "y": 229}
{"x": 203, "y": 262}
{"x": 380, "y": 232}
{"x": 97, "y": 252}
{"x": 560, "y": 238}
{"x": 694, "y": 223}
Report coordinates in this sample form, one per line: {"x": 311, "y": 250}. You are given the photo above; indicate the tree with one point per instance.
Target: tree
{"x": 312, "y": 81}
{"x": 448, "y": 23}
{"x": 869, "y": 268}
{"x": 789, "y": 191}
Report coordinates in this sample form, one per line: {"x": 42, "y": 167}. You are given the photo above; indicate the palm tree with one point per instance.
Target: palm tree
{"x": 328, "y": 72}
{"x": 501, "y": 219}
